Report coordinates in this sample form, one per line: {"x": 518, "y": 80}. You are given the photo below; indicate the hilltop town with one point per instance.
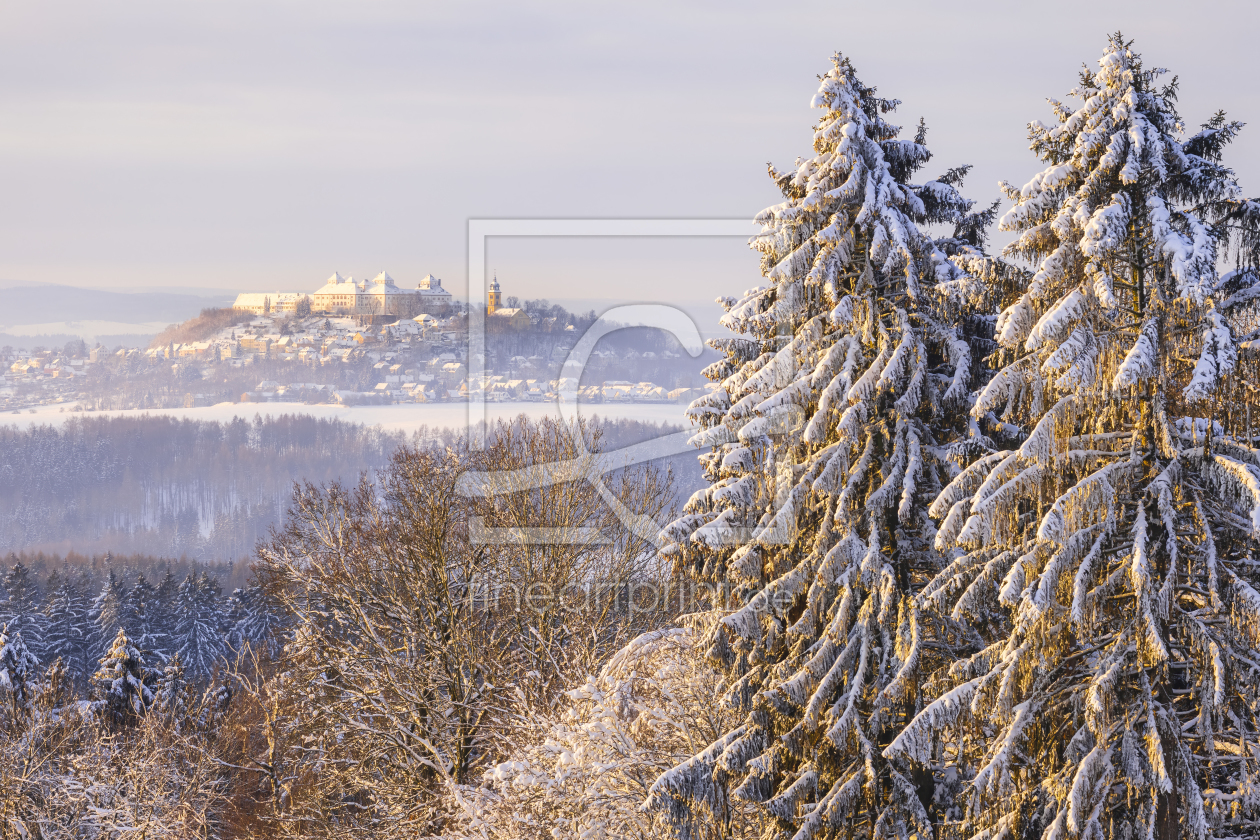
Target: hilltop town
{"x": 351, "y": 342}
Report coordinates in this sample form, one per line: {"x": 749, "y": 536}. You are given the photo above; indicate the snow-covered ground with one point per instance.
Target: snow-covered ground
{"x": 404, "y": 417}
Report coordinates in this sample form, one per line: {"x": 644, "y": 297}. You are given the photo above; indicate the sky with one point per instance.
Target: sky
{"x": 262, "y": 145}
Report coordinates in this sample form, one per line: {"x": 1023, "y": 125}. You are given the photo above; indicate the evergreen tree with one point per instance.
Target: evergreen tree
{"x": 198, "y": 637}
{"x": 209, "y": 588}
{"x": 68, "y": 634}
{"x": 214, "y": 706}
{"x": 173, "y": 692}
{"x": 140, "y": 608}
{"x": 236, "y": 610}
{"x": 828, "y": 437}
{"x": 1106, "y": 551}
{"x": 250, "y": 617}
{"x": 121, "y": 681}
{"x": 108, "y": 613}
{"x": 163, "y": 622}
{"x": 18, "y": 670}
{"x": 20, "y": 611}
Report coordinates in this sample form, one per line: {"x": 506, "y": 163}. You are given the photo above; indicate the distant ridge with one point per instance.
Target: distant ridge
{"x": 46, "y": 302}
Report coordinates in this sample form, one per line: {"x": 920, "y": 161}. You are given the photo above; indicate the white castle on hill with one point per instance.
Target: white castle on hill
{"x": 376, "y": 301}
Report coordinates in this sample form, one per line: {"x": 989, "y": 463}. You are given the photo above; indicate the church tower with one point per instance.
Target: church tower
{"x": 496, "y": 297}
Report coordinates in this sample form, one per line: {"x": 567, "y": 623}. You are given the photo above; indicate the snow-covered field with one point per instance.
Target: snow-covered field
{"x": 404, "y": 417}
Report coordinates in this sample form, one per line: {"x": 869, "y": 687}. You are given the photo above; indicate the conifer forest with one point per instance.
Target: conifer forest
{"x": 974, "y": 553}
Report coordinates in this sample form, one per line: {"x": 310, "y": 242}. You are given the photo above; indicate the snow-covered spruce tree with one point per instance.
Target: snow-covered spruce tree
{"x": 251, "y": 618}
{"x": 18, "y": 671}
{"x": 828, "y": 438}
{"x": 67, "y": 632}
{"x": 108, "y": 614}
{"x": 173, "y": 694}
{"x": 20, "y": 611}
{"x": 1106, "y": 553}
{"x": 198, "y": 637}
{"x": 121, "y": 682}
{"x": 140, "y": 609}
{"x": 163, "y": 618}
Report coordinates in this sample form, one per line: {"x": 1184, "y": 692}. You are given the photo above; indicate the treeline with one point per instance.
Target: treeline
{"x": 159, "y": 485}
{"x": 96, "y": 567}
{"x": 70, "y": 612}
{"x": 207, "y": 491}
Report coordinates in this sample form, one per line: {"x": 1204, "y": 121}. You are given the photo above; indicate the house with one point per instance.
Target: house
{"x": 256, "y": 344}
{"x": 517, "y": 319}
{"x": 453, "y": 372}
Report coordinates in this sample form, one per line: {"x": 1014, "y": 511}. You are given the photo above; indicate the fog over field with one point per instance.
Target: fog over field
{"x": 394, "y": 418}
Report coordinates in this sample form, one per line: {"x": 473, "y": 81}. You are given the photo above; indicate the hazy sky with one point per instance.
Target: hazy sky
{"x": 262, "y": 145}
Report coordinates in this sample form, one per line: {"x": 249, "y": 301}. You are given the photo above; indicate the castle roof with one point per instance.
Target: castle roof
{"x": 381, "y": 284}
{"x": 382, "y": 288}
{"x": 431, "y": 286}
{"x": 336, "y": 285}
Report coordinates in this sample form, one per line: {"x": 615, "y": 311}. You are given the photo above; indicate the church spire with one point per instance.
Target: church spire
{"x": 495, "y": 297}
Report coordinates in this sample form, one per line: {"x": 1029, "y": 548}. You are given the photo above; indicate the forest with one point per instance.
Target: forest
{"x": 169, "y": 487}
{"x": 974, "y": 558}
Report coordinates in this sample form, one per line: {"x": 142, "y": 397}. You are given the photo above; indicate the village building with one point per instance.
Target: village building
{"x": 517, "y": 319}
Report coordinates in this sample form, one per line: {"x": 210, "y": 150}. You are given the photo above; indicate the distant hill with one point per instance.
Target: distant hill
{"x": 48, "y": 303}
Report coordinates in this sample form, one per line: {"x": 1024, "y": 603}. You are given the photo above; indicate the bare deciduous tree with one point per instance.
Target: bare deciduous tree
{"x": 427, "y": 625}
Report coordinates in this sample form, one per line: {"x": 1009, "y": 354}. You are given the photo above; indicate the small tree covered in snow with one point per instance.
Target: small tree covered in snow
{"x": 18, "y": 670}
{"x": 1105, "y": 547}
{"x": 828, "y": 437}
{"x": 120, "y": 680}
{"x": 174, "y": 695}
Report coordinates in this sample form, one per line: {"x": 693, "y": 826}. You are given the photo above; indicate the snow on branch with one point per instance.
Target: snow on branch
{"x": 1142, "y": 360}
{"x": 915, "y": 742}
{"x": 994, "y": 776}
{"x": 1239, "y": 483}
{"x": 1216, "y": 360}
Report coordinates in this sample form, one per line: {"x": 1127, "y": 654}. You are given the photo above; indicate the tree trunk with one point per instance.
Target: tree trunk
{"x": 1167, "y": 823}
